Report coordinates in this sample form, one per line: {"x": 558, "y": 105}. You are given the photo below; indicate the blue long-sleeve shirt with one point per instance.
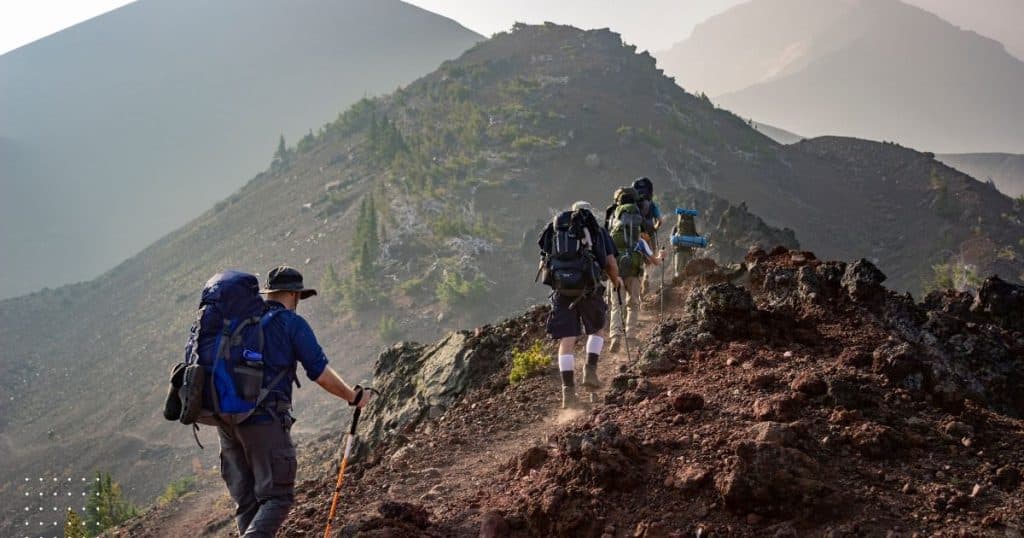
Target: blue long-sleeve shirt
{"x": 288, "y": 342}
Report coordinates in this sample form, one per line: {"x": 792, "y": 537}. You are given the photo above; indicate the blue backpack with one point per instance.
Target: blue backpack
{"x": 223, "y": 382}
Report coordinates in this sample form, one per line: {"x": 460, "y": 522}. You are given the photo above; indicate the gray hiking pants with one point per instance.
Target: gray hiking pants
{"x": 257, "y": 462}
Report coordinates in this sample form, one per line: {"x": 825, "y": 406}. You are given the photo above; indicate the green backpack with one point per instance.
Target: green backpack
{"x": 626, "y": 226}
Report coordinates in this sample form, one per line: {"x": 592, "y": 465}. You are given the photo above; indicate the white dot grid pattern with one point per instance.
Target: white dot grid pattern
{"x": 56, "y": 488}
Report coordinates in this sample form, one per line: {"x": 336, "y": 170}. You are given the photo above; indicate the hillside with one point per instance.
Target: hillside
{"x": 996, "y": 19}
{"x": 461, "y": 167}
{"x": 131, "y": 124}
{"x": 876, "y": 69}
{"x": 811, "y": 401}
{"x": 1003, "y": 169}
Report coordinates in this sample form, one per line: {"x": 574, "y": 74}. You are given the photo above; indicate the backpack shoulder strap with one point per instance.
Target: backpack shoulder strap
{"x": 264, "y": 322}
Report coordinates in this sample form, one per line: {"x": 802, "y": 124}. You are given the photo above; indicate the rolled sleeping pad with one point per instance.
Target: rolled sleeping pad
{"x": 694, "y": 241}
{"x": 690, "y": 212}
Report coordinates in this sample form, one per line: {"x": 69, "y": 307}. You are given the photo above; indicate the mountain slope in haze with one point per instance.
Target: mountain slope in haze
{"x": 460, "y": 168}
{"x": 876, "y": 69}
{"x": 132, "y": 123}
{"x": 996, "y": 19}
{"x": 1003, "y": 169}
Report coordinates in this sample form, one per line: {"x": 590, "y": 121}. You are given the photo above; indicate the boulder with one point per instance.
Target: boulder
{"x": 770, "y": 479}
{"x": 778, "y": 407}
{"x": 809, "y": 383}
{"x": 863, "y": 281}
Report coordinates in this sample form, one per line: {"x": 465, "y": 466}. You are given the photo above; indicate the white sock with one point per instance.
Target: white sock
{"x": 594, "y": 344}
{"x": 565, "y": 363}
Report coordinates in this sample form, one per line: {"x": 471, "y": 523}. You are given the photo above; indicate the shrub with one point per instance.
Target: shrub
{"x": 528, "y": 363}
{"x": 176, "y": 489}
{"x": 455, "y": 290}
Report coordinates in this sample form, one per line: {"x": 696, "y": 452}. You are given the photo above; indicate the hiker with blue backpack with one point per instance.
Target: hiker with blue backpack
{"x": 576, "y": 255}
{"x": 632, "y": 235}
{"x": 240, "y": 363}
{"x": 651, "y": 213}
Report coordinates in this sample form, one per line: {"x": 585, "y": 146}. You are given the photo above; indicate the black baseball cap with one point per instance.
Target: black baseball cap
{"x": 285, "y": 278}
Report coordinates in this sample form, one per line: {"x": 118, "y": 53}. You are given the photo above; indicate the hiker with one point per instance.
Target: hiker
{"x": 629, "y": 231}
{"x": 576, "y": 253}
{"x": 682, "y": 254}
{"x": 257, "y": 457}
{"x": 644, "y": 188}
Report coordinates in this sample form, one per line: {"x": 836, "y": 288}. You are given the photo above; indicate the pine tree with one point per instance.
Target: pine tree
{"x": 365, "y": 267}
{"x": 371, "y": 227}
{"x": 106, "y": 506}
{"x": 74, "y": 527}
{"x": 281, "y": 155}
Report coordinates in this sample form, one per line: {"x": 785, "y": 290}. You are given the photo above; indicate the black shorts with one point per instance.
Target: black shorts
{"x": 587, "y": 316}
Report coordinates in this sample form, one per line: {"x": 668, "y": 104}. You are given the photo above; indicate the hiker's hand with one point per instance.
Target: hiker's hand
{"x": 661, "y": 254}
{"x": 617, "y": 282}
{"x": 361, "y": 398}
{"x": 367, "y": 397}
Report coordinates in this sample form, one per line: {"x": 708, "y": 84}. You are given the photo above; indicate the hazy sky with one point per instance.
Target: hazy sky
{"x": 649, "y": 24}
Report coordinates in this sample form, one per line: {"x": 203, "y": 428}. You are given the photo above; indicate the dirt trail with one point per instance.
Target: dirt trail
{"x": 451, "y": 471}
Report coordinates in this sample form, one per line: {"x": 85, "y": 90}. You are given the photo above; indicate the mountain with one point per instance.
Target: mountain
{"x": 812, "y": 401}
{"x": 1003, "y": 169}
{"x": 417, "y": 212}
{"x": 876, "y": 69}
{"x": 130, "y": 124}
{"x": 996, "y": 19}
{"x": 777, "y": 134}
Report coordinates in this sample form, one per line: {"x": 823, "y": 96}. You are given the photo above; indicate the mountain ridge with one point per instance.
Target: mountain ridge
{"x": 876, "y": 69}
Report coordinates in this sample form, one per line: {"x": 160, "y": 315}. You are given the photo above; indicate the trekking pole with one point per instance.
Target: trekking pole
{"x": 661, "y": 291}
{"x": 622, "y": 319}
{"x": 344, "y": 461}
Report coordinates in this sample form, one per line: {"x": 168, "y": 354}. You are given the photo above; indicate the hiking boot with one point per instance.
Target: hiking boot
{"x": 590, "y": 379}
{"x": 569, "y": 399}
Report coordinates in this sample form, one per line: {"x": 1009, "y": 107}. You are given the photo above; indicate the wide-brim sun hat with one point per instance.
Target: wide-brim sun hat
{"x": 285, "y": 278}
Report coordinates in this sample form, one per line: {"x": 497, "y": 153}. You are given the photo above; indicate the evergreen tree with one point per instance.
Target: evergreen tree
{"x": 106, "y": 506}
{"x": 371, "y": 228}
{"x": 365, "y": 267}
{"x": 74, "y": 527}
{"x": 332, "y": 288}
{"x": 281, "y": 155}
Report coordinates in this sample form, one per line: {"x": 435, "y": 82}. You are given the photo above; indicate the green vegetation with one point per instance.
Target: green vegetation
{"x": 388, "y": 330}
{"x": 74, "y": 527}
{"x": 281, "y": 156}
{"x": 176, "y": 489}
{"x": 107, "y": 506}
{"x": 640, "y": 134}
{"x": 453, "y": 222}
{"x": 528, "y": 363}
{"x": 306, "y": 143}
{"x": 531, "y": 142}
{"x": 385, "y": 140}
{"x": 953, "y": 276}
{"x": 1007, "y": 253}
{"x": 332, "y": 290}
{"x": 454, "y": 290}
